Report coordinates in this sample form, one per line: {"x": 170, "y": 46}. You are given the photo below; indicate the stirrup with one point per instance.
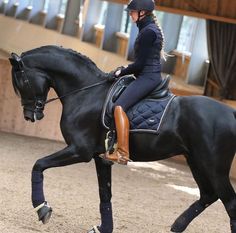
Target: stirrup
{"x": 121, "y": 159}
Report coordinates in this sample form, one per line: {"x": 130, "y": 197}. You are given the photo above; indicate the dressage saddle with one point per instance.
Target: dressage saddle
{"x": 159, "y": 94}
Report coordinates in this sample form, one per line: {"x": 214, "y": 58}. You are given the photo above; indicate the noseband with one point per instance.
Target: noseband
{"x": 19, "y": 73}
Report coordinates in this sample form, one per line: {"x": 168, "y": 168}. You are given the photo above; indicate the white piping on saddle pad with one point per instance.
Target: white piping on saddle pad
{"x": 165, "y": 112}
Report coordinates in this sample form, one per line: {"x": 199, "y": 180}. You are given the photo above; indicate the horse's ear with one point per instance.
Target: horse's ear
{"x": 16, "y": 61}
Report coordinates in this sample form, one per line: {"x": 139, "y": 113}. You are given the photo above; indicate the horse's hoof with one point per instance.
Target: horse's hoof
{"x": 176, "y": 229}
{"x": 95, "y": 229}
{"x": 44, "y": 212}
{"x": 179, "y": 225}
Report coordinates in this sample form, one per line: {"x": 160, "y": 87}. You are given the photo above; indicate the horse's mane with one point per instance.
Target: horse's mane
{"x": 51, "y": 49}
{"x": 58, "y": 49}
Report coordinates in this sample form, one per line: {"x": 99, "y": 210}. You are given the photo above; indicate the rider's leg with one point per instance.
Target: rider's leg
{"x": 121, "y": 154}
{"x": 137, "y": 90}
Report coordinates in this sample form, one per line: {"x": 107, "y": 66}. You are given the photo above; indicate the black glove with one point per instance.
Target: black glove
{"x": 112, "y": 75}
{"x": 118, "y": 68}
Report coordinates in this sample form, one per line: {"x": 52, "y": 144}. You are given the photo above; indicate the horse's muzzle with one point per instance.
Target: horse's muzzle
{"x": 32, "y": 116}
{"x": 39, "y": 115}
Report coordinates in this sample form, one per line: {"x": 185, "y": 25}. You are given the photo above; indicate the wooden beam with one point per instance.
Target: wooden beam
{"x": 197, "y": 14}
{"x": 213, "y": 10}
{"x": 192, "y": 4}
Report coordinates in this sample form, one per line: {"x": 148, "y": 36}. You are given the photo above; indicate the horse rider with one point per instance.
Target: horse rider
{"x": 146, "y": 67}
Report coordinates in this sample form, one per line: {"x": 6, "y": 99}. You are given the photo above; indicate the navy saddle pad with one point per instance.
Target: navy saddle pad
{"x": 147, "y": 114}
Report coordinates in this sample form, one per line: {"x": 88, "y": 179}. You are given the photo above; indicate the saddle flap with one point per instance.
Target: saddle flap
{"x": 115, "y": 91}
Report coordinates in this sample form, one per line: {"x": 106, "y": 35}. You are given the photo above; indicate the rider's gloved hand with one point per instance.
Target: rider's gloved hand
{"x": 118, "y": 70}
{"x": 117, "y": 73}
{"x": 114, "y": 74}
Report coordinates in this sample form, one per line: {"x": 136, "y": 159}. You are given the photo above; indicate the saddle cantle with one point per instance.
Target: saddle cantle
{"x": 146, "y": 115}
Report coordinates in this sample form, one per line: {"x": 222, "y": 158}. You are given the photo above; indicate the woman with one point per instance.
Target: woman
{"x": 146, "y": 67}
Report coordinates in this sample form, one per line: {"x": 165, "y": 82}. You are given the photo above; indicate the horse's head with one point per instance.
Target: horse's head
{"x": 32, "y": 85}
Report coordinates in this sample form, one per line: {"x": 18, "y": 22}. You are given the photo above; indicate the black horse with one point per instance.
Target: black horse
{"x": 198, "y": 127}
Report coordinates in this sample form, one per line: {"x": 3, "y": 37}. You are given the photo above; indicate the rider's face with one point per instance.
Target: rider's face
{"x": 134, "y": 15}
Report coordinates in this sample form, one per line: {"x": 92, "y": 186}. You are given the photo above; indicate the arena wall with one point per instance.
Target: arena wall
{"x": 19, "y": 36}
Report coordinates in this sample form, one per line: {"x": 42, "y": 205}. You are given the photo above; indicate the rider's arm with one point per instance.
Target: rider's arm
{"x": 145, "y": 46}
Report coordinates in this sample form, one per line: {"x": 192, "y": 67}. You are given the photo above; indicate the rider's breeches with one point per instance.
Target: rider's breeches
{"x": 138, "y": 89}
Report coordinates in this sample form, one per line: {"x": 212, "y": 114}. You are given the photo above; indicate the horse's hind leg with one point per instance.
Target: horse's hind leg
{"x": 227, "y": 195}
{"x": 207, "y": 197}
{"x": 223, "y": 157}
{"x": 225, "y": 191}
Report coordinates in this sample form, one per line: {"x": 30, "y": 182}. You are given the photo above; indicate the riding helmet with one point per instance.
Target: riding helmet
{"x": 141, "y": 5}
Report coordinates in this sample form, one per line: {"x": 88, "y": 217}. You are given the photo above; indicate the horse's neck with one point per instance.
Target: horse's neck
{"x": 71, "y": 74}
{"x": 70, "y": 88}
{"x": 72, "y": 81}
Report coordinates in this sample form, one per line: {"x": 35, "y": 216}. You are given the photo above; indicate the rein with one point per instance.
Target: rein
{"x": 75, "y": 91}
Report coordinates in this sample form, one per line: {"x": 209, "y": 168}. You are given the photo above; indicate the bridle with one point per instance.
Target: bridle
{"x": 39, "y": 103}
{"x": 19, "y": 73}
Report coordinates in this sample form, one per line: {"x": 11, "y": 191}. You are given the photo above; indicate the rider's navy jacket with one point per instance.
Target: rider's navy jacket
{"x": 147, "y": 49}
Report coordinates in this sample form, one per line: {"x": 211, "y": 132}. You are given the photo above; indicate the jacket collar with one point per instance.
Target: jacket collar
{"x": 144, "y": 22}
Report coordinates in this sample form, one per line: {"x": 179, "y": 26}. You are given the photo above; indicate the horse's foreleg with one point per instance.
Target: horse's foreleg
{"x": 104, "y": 182}
{"x": 64, "y": 157}
{"x": 207, "y": 197}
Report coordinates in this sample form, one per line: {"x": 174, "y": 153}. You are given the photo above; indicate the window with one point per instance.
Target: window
{"x": 187, "y": 33}
{"x": 103, "y": 13}
{"x": 46, "y": 5}
{"x": 80, "y": 17}
{"x": 160, "y": 16}
{"x": 63, "y": 7}
{"x": 126, "y": 22}
{"x": 30, "y": 2}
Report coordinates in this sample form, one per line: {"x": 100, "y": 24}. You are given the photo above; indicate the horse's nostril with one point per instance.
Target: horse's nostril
{"x": 39, "y": 105}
